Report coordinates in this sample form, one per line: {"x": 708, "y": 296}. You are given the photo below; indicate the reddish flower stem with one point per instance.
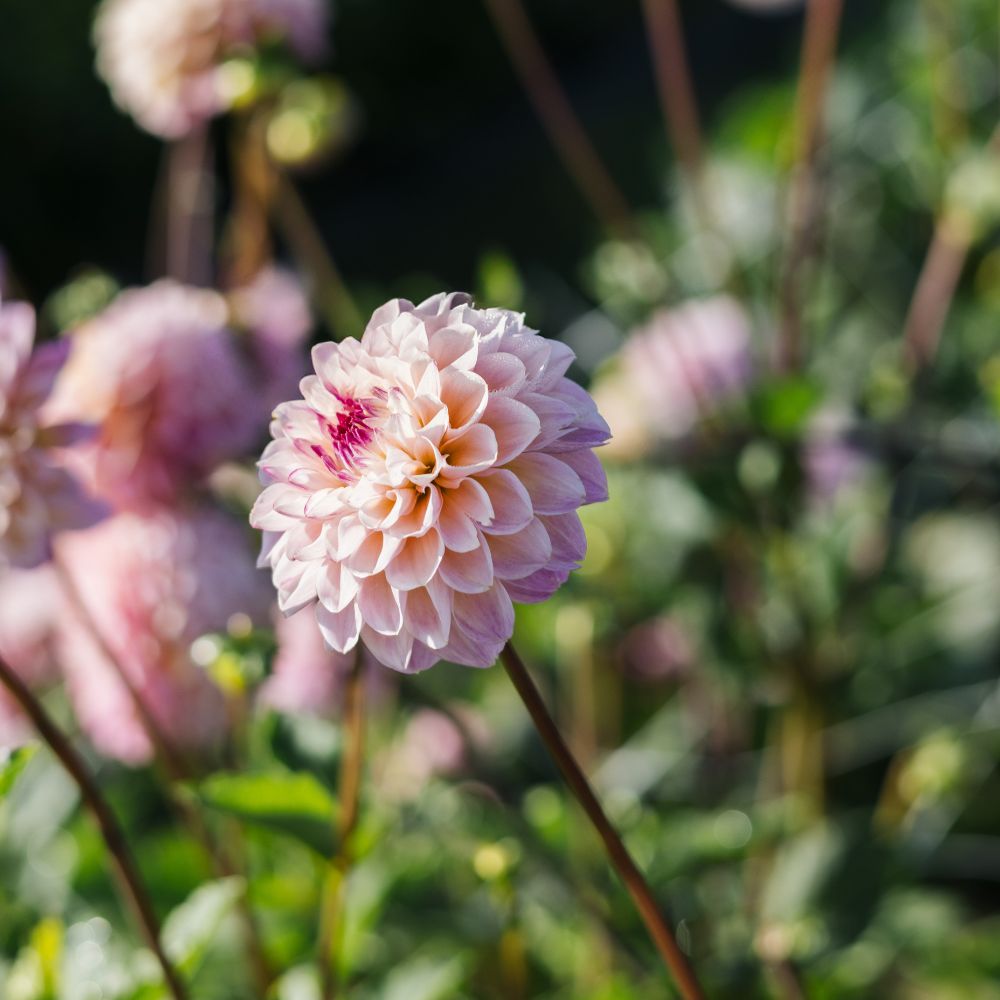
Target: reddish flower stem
{"x": 677, "y": 99}
{"x": 190, "y": 208}
{"x": 132, "y": 886}
{"x": 675, "y": 959}
{"x": 819, "y": 45}
{"x": 351, "y": 767}
{"x": 567, "y": 135}
{"x": 938, "y": 282}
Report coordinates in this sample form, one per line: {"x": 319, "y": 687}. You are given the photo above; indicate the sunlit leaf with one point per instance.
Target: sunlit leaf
{"x": 294, "y": 804}
{"x": 12, "y": 765}
{"x": 189, "y": 930}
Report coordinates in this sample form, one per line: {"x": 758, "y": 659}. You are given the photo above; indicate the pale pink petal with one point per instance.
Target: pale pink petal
{"x": 468, "y": 572}
{"x": 514, "y": 424}
{"x": 380, "y": 605}
{"x": 340, "y": 628}
{"x": 553, "y": 486}
{"x": 509, "y": 499}
{"x": 417, "y": 561}
{"x": 521, "y": 553}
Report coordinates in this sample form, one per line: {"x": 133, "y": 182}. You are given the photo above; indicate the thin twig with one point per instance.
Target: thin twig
{"x": 296, "y": 225}
{"x": 675, "y": 959}
{"x": 351, "y": 766}
{"x": 819, "y": 45}
{"x": 677, "y": 98}
{"x": 934, "y": 291}
{"x": 938, "y": 281}
{"x": 247, "y": 242}
{"x": 556, "y": 114}
{"x": 190, "y": 208}
{"x": 131, "y": 883}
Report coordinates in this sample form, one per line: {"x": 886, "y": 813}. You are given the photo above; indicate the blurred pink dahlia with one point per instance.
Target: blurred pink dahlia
{"x": 164, "y": 376}
{"x": 37, "y": 496}
{"x": 430, "y": 476}
{"x": 162, "y": 58}
{"x": 682, "y": 365}
{"x": 151, "y": 584}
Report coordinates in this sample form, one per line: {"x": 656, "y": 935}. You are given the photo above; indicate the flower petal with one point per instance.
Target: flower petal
{"x": 380, "y": 606}
{"x": 416, "y": 561}
{"x": 520, "y": 554}
{"x": 553, "y": 486}
{"x": 514, "y": 424}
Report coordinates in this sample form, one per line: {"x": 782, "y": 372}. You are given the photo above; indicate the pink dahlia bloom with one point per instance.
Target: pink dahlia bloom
{"x": 683, "y": 364}
{"x": 430, "y": 476}
{"x": 37, "y": 496}
{"x": 164, "y": 376}
{"x": 152, "y": 584}
{"x": 162, "y": 58}
{"x": 30, "y": 610}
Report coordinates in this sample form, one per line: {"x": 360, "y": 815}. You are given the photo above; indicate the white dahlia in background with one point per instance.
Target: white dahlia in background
{"x": 430, "y": 476}
{"x": 162, "y": 59}
{"x": 37, "y": 496}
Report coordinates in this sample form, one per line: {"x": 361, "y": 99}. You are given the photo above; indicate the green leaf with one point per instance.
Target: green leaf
{"x": 784, "y": 406}
{"x": 293, "y": 804}
{"x": 12, "y": 765}
{"x": 190, "y": 929}
{"x": 424, "y": 978}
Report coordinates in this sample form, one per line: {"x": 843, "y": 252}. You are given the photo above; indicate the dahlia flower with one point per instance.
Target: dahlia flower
{"x": 162, "y": 59}
{"x": 164, "y": 376}
{"x": 151, "y": 584}
{"x": 683, "y": 364}
{"x": 37, "y": 496}
{"x": 430, "y": 475}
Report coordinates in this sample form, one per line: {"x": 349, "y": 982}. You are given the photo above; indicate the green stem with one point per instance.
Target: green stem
{"x": 332, "y": 906}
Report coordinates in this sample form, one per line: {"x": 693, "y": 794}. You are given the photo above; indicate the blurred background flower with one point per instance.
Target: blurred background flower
{"x": 165, "y": 63}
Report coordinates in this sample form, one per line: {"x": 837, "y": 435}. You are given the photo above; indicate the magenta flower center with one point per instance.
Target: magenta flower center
{"x": 349, "y": 433}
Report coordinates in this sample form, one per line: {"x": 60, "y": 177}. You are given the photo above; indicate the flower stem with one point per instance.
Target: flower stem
{"x": 292, "y": 218}
{"x": 190, "y": 208}
{"x": 677, "y": 100}
{"x": 675, "y": 959}
{"x": 332, "y": 911}
{"x": 558, "y": 119}
{"x": 125, "y": 868}
{"x": 937, "y": 283}
{"x": 819, "y": 45}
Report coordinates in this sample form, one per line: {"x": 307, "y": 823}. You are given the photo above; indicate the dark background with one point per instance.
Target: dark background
{"x": 450, "y": 158}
